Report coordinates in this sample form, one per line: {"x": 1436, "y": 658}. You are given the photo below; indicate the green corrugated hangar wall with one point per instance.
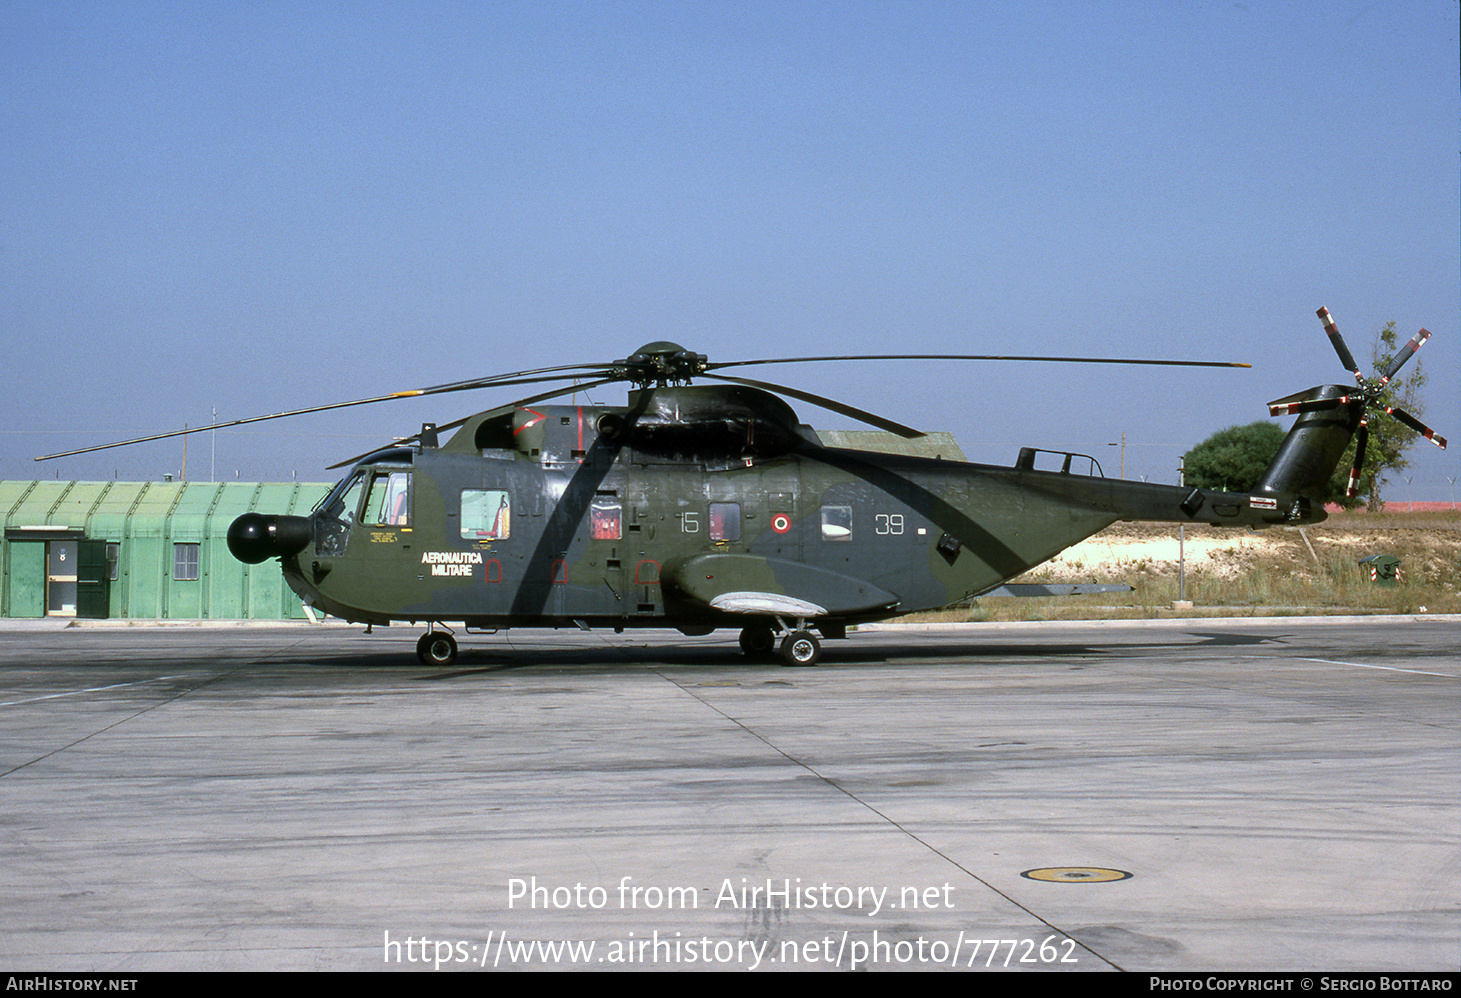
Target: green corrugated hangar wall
{"x": 150, "y": 532}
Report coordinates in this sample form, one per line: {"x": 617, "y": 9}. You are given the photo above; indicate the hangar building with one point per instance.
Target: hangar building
{"x": 140, "y": 549}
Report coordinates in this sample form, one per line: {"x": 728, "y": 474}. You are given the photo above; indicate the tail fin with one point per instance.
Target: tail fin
{"x": 1314, "y": 446}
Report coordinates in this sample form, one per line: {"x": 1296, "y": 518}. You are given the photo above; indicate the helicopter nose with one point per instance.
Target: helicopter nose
{"x": 255, "y": 537}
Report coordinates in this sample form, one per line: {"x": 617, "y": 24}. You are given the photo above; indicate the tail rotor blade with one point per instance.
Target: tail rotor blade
{"x": 1417, "y": 426}
{"x": 1345, "y": 357}
{"x": 1416, "y": 342}
{"x": 1311, "y": 400}
{"x": 1362, "y": 437}
{"x": 1282, "y": 407}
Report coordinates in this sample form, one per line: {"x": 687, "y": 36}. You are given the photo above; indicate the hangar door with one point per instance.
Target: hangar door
{"x": 93, "y": 575}
{"x": 57, "y": 578}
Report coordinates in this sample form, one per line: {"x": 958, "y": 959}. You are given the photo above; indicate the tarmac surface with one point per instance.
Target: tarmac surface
{"x": 1274, "y": 794}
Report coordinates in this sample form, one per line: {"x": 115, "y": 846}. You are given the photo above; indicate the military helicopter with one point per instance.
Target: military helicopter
{"x": 712, "y": 506}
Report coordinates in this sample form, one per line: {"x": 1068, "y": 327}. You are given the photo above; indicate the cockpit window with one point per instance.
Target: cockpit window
{"x": 390, "y": 500}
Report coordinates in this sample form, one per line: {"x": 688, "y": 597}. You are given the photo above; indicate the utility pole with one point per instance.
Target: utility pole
{"x": 1181, "y": 541}
{"x": 1122, "y": 445}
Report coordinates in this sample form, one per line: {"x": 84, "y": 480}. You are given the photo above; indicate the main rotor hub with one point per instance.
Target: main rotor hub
{"x": 662, "y": 363}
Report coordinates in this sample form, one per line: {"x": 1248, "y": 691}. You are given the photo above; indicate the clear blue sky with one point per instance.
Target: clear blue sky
{"x": 252, "y": 207}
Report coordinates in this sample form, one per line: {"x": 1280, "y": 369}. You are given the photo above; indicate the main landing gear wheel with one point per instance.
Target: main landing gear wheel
{"x": 436, "y": 648}
{"x": 757, "y": 641}
{"x": 801, "y": 648}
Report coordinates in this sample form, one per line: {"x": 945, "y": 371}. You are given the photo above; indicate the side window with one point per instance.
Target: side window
{"x": 389, "y": 504}
{"x": 725, "y": 521}
{"x": 606, "y": 519}
{"x": 836, "y": 523}
{"x": 486, "y": 515}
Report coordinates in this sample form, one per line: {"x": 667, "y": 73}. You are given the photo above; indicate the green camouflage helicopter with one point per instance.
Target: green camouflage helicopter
{"x": 700, "y": 507}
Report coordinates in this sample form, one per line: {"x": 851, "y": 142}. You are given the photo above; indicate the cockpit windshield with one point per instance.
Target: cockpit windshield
{"x": 337, "y": 514}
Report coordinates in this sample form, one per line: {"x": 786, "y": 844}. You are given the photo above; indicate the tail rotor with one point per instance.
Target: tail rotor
{"x": 1369, "y": 394}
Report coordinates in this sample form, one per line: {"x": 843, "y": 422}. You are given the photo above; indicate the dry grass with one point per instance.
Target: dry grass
{"x": 1250, "y": 573}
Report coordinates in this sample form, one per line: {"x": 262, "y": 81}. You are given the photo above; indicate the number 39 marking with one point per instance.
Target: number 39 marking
{"x": 888, "y": 523}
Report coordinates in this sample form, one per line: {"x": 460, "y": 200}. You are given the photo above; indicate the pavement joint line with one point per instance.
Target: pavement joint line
{"x": 890, "y": 820}
{"x": 89, "y": 689}
{"x": 115, "y": 724}
{"x": 1382, "y": 668}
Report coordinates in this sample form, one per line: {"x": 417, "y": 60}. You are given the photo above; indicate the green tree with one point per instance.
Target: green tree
{"x": 1233, "y": 459}
{"x": 1389, "y": 439}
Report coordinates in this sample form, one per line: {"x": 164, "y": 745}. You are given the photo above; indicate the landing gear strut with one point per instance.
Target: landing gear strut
{"x": 436, "y": 648}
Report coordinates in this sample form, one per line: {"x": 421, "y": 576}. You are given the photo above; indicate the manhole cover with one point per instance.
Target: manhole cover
{"x": 1076, "y": 874}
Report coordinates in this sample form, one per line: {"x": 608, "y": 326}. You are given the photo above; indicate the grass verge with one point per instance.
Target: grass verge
{"x": 1234, "y": 573}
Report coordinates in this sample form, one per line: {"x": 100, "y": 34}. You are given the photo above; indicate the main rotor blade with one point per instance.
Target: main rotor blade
{"x": 222, "y": 426}
{"x": 1416, "y": 342}
{"x": 494, "y": 382}
{"x": 453, "y": 425}
{"x": 524, "y": 377}
{"x": 980, "y": 356}
{"x": 1345, "y": 357}
{"x": 618, "y": 371}
{"x": 843, "y": 408}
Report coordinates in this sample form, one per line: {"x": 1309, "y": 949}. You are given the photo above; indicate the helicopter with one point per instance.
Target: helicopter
{"x": 708, "y": 506}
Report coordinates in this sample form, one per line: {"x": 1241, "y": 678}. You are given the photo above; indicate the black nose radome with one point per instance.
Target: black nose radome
{"x": 255, "y": 537}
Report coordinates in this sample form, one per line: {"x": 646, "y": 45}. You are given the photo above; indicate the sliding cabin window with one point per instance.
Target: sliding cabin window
{"x": 486, "y": 515}
{"x": 389, "y": 504}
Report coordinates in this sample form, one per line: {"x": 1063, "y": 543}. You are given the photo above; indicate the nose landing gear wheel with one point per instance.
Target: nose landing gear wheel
{"x": 436, "y": 648}
{"x": 801, "y": 648}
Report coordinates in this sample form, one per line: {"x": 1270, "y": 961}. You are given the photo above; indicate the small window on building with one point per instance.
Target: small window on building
{"x": 486, "y": 515}
{"x": 836, "y": 523}
{"x": 114, "y": 557}
{"x": 725, "y": 521}
{"x": 185, "y": 562}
